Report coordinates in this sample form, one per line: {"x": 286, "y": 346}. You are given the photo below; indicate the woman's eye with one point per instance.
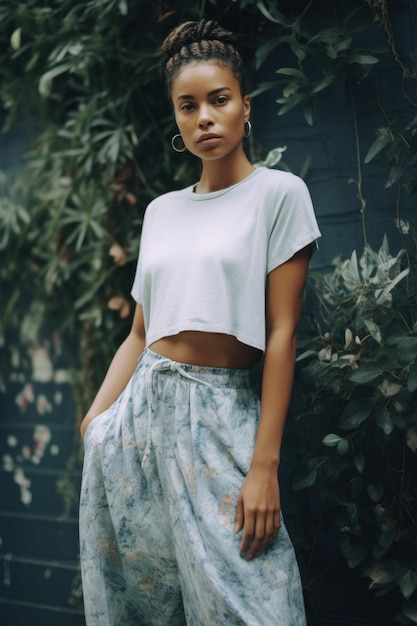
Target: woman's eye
{"x": 187, "y": 107}
{"x": 221, "y": 100}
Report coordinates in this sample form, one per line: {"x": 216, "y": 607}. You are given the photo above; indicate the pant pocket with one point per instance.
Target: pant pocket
{"x": 93, "y": 425}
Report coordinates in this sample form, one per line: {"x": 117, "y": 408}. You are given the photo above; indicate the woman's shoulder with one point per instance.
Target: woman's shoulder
{"x": 281, "y": 181}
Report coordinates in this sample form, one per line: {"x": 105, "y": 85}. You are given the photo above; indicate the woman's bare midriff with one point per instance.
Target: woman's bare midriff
{"x": 209, "y": 349}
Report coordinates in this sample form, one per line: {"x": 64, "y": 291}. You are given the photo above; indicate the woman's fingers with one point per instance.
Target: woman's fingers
{"x": 276, "y": 525}
{"x": 258, "y": 537}
{"x": 258, "y": 512}
{"x": 259, "y": 531}
{"x": 248, "y": 532}
{"x": 240, "y": 517}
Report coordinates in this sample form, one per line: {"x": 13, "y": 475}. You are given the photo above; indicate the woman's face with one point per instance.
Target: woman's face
{"x": 209, "y": 109}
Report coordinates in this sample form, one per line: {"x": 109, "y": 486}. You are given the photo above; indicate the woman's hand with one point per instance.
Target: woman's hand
{"x": 258, "y": 511}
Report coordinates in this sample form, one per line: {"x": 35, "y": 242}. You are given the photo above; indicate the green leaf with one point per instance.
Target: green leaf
{"x": 264, "y": 51}
{"x": 363, "y": 59}
{"x": 305, "y": 167}
{"x": 411, "y": 438}
{"x": 354, "y": 554}
{"x": 343, "y": 44}
{"x": 356, "y": 487}
{"x": 331, "y": 440}
{"x": 306, "y": 354}
{"x": 291, "y": 89}
{"x": 323, "y": 84}
{"x": 16, "y": 38}
{"x": 342, "y": 447}
{"x": 292, "y": 71}
{"x": 386, "y": 538}
{"x": 378, "y": 145}
{"x": 359, "y": 462}
{"x": 288, "y": 105}
{"x": 277, "y": 17}
{"x": 366, "y": 372}
{"x": 407, "y": 581}
{"x": 395, "y": 282}
{"x": 262, "y": 87}
{"x": 389, "y": 388}
{"x": 305, "y": 481}
{"x": 410, "y": 610}
{"x": 299, "y": 51}
{"x": 382, "y": 573}
{"x": 395, "y": 172}
{"x": 308, "y": 112}
{"x": 384, "y": 421}
{"x": 123, "y": 8}
{"x": 407, "y": 350}
{"x": 374, "y": 330}
{"x": 273, "y": 157}
{"x": 356, "y": 412}
{"x": 45, "y": 82}
{"x": 97, "y": 228}
{"x": 353, "y": 513}
{"x": 375, "y": 491}
{"x": 383, "y": 518}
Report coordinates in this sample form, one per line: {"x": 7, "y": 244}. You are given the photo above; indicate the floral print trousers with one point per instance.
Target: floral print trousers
{"x": 162, "y": 472}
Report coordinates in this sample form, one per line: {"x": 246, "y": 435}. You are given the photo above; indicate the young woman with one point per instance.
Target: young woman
{"x": 180, "y": 516}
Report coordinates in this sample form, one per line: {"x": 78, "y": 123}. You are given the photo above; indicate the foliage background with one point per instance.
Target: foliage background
{"x": 85, "y": 79}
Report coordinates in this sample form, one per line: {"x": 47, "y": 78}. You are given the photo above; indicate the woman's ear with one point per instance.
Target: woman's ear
{"x": 246, "y": 107}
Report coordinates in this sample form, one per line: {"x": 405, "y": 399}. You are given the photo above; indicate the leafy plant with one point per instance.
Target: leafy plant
{"x": 401, "y": 148}
{"x": 357, "y": 431}
{"x": 322, "y": 58}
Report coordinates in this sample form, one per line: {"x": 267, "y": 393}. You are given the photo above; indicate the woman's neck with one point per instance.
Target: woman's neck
{"x": 219, "y": 174}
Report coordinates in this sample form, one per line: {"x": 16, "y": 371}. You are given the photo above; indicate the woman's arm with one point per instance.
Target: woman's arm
{"x": 120, "y": 371}
{"x": 258, "y": 510}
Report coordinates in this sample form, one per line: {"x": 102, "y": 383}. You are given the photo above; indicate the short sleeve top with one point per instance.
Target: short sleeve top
{"x": 204, "y": 258}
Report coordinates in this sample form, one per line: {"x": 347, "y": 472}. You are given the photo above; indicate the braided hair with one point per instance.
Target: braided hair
{"x": 200, "y": 41}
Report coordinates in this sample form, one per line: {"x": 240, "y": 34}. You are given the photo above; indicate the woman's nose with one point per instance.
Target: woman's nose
{"x": 205, "y": 118}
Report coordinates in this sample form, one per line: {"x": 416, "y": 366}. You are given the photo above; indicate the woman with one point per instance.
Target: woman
{"x": 180, "y": 511}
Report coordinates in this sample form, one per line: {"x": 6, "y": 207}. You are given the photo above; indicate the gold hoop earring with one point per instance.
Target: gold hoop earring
{"x": 247, "y": 129}
{"x": 183, "y": 149}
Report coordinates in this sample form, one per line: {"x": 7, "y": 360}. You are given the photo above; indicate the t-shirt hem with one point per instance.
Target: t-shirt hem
{"x": 136, "y": 298}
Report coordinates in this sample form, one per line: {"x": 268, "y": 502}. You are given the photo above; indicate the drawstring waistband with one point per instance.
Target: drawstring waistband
{"x": 214, "y": 377}
{"x": 161, "y": 365}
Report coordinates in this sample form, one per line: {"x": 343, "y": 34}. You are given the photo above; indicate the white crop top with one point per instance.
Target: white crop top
{"x": 204, "y": 258}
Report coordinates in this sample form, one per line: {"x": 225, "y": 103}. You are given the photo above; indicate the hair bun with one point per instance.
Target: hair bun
{"x": 189, "y": 32}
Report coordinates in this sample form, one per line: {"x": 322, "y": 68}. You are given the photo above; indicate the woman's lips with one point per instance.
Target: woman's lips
{"x": 208, "y": 138}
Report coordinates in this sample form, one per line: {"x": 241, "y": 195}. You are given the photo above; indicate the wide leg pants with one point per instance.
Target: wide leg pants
{"x": 162, "y": 472}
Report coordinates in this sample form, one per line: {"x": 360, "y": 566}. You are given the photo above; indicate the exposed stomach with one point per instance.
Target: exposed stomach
{"x": 209, "y": 349}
